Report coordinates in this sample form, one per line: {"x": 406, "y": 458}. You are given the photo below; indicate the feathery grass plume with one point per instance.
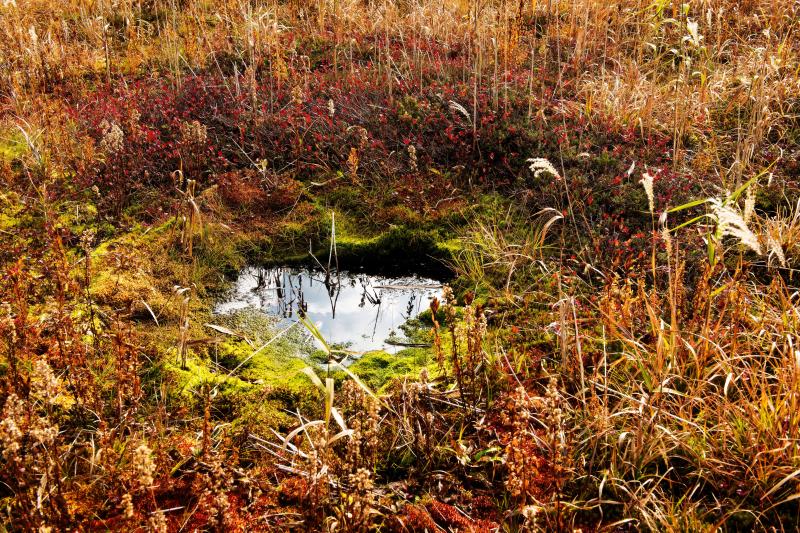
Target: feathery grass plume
{"x": 539, "y": 165}
{"x": 774, "y": 249}
{"x": 782, "y": 234}
{"x": 455, "y": 106}
{"x": 647, "y": 183}
{"x": 665, "y": 235}
{"x": 731, "y": 223}
{"x": 693, "y": 37}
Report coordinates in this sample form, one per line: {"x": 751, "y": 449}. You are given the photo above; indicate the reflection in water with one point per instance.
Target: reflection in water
{"x": 356, "y": 310}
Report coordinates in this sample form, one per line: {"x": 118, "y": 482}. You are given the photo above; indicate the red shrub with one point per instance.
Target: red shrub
{"x": 251, "y": 191}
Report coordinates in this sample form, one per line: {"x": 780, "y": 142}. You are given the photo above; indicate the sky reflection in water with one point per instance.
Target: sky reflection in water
{"x": 358, "y": 309}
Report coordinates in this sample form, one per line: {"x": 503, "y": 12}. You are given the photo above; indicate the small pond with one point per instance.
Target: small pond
{"x": 355, "y": 310}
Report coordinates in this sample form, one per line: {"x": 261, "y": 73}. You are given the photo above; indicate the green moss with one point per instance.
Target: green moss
{"x": 120, "y": 288}
{"x": 12, "y": 145}
{"x": 280, "y": 364}
{"x": 377, "y": 368}
{"x": 256, "y": 358}
{"x": 10, "y": 207}
{"x": 451, "y": 247}
{"x": 145, "y": 264}
{"x": 268, "y": 368}
{"x": 255, "y": 414}
{"x": 397, "y": 248}
{"x": 197, "y": 373}
{"x": 15, "y": 214}
{"x": 348, "y": 199}
{"x": 80, "y": 215}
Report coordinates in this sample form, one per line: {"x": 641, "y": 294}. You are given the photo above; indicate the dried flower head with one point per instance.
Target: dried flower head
{"x": 8, "y": 326}
{"x": 144, "y": 465}
{"x": 113, "y": 137}
{"x": 44, "y": 384}
{"x": 157, "y": 522}
{"x": 194, "y": 132}
{"x": 10, "y": 432}
{"x": 412, "y": 157}
{"x": 87, "y": 240}
{"x": 297, "y": 95}
{"x": 127, "y": 505}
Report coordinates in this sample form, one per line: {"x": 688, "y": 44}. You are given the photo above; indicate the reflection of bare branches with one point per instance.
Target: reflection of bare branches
{"x": 287, "y": 292}
{"x": 375, "y": 323}
{"x": 371, "y": 297}
{"x": 302, "y": 304}
{"x": 410, "y": 306}
{"x": 333, "y": 294}
{"x": 279, "y": 282}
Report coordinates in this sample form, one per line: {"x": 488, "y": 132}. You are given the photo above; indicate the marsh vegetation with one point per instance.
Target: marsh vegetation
{"x": 399, "y": 265}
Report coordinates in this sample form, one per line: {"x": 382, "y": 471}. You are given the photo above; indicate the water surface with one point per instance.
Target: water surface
{"x": 355, "y": 310}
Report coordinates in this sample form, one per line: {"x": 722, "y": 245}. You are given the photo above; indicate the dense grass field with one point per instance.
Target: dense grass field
{"x": 610, "y": 191}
